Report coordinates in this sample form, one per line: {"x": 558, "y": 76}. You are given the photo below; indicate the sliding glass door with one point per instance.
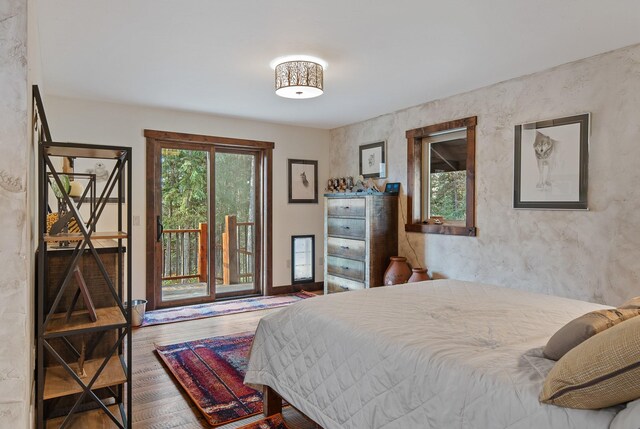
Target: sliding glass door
{"x": 206, "y": 220}
{"x": 236, "y": 209}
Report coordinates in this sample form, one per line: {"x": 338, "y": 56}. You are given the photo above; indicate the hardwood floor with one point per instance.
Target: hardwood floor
{"x": 158, "y": 400}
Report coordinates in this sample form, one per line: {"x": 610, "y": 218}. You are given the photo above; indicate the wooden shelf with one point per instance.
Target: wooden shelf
{"x": 108, "y": 317}
{"x": 76, "y": 236}
{"x": 94, "y": 419}
{"x": 101, "y": 246}
{"x": 107, "y": 269}
{"x": 58, "y": 382}
{"x": 74, "y": 150}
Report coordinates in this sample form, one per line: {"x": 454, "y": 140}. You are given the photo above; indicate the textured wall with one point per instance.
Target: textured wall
{"x": 592, "y": 255}
{"x": 15, "y": 325}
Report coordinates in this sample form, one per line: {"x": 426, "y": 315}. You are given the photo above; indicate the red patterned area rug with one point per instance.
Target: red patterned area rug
{"x": 212, "y": 373}
{"x": 200, "y": 311}
{"x": 271, "y": 422}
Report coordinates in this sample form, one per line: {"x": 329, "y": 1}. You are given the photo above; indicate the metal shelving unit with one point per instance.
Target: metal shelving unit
{"x": 84, "y": 354}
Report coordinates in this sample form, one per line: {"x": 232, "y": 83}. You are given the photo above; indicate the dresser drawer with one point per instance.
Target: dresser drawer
{"x": 346, "y": 207}
{"x": 345, "y": 267}
{"x": 352, "y": 228}
{"x": 352, "y": 249}
{"x": 338, "y": 284}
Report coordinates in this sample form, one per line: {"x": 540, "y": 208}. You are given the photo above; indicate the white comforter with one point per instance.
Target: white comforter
{"x": 441, "y": 354}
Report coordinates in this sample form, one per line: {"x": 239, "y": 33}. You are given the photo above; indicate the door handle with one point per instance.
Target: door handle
{"x": 159, "y": 228}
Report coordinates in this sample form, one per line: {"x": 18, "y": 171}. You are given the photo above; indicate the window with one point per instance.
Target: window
{"x": 441, "y": 185}
{"x": 444, "y": 183}
{"x": 302, "y": 259}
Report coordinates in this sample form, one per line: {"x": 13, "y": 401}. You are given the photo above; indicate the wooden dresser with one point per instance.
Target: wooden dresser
{"x": 360, "y": 235}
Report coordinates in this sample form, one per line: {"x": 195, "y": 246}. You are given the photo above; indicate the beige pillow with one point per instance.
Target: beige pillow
{"x": 632, "y": 303}
{"x": 601, "y": 372}
{"x": 583, "y": 328}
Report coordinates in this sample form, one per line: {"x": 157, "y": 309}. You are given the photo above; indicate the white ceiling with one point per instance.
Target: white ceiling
{"x": 213, "y": 55}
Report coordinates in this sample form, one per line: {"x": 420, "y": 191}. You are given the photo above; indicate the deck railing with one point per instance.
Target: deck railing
{"x": 185, "y": 253}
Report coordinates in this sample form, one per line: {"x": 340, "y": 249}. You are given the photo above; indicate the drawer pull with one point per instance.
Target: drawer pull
{"x": 344, "y": 247}
{"x": 346, "y": 227}
{"x": 346, "y": 207}
{"x": 345, "y": 268}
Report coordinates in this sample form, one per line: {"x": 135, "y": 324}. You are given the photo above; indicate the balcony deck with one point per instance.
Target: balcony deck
{"x": 195, "y": 290}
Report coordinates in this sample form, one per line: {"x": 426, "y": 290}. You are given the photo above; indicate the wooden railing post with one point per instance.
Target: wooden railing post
{"x": 230, "y": 251}
{"x": 203, "y": 239}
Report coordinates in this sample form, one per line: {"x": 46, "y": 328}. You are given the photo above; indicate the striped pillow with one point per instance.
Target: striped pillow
{"x": 601, "y": 372}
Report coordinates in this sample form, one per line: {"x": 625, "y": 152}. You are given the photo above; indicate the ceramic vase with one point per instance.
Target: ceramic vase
{"x": 397, "y": 272}
{"x": 419, "y": 275}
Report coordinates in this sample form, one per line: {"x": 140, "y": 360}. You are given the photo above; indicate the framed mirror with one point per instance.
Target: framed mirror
{"x": 441, "y": 178}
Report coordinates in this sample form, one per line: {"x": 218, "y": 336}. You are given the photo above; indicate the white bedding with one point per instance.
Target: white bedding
{"x": 440, "y": 354}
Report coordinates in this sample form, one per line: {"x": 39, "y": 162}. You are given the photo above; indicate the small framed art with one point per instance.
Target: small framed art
{"x": 303, "y": 181}
{"x": 551, "y": 164}
{"x": 102, "y": 169}
{"x": 373, "y": 163}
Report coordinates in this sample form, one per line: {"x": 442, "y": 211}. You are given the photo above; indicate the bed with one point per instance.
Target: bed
{"x": 436, "y": 354}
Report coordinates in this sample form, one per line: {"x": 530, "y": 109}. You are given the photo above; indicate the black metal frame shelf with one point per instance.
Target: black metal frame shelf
{"x": 71, "y": 390}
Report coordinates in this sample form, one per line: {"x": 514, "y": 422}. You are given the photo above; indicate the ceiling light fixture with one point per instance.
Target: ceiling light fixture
{"x": 299, "y": 76}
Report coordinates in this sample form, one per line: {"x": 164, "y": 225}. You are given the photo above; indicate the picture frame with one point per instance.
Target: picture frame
{"x": 373, "y": 162}
{"x": 102, "y": 169}
{"x": 303, "y": 181}
{"x": 551, "y": 163}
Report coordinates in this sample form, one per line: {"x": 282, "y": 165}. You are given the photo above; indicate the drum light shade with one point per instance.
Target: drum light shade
{"x": 299, "y": 79}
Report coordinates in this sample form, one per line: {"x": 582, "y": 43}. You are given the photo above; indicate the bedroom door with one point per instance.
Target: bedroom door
{"x": 207, "y": 209}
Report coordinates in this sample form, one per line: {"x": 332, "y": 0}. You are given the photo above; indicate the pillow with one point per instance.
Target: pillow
{"x": 632, "y": 303}
{"x": 601, "y": 372}
{"x": 583, "y": 328}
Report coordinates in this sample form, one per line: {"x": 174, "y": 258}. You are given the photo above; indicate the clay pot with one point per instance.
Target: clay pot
{"x": 397, "y": 272}
{"x": 419, "y": 275}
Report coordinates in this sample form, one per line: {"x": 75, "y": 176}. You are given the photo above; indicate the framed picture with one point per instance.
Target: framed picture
{"x": 303, "y": 181}
{"x": 551, "y": 164}
{"x": 102, "y": 169}
{"x": 373, "y": 160}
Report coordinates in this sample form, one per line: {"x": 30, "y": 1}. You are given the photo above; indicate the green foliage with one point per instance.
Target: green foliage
{"x": 185, "y": 188}
{"x": 448, "y": 194}
{"x": 235, "y": 187}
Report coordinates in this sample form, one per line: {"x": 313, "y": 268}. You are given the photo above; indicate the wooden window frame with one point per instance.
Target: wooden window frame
{"x": 414, "y": 179}
{"x": 265, "y": 160}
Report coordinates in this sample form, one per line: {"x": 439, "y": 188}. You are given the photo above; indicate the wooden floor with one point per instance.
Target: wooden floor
{"x": 158, "y": 401}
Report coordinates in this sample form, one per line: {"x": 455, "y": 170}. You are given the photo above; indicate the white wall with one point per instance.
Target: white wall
{"x": 16, "y": 315}
{"x": 592, "y": 255}
{"x": 116, "y": 124}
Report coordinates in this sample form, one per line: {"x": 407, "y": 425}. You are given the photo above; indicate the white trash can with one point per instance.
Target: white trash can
{"x": 139, "y": 307}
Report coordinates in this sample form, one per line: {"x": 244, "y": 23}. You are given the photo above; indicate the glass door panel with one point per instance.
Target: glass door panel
{"x": 183, "y": 225}
{"x": 236, "y": 230}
